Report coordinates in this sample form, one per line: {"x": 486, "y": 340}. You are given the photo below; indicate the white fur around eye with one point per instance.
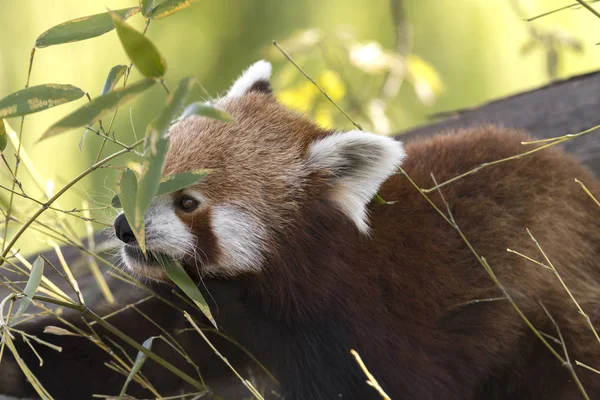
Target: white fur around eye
{"x": 165, "y": 232}
{"x": 259, "y": 71}
{"x": 240, "y": 238}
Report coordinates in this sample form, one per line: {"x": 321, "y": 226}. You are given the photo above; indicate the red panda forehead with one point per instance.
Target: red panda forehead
{"x": 265, "y": 136}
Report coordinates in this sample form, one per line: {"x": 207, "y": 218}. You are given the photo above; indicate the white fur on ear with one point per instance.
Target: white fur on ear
{"x": 259, "y": 71}
{"x": 359, "y": 163}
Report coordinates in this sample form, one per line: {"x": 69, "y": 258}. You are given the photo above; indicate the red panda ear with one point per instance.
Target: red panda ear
{"x": 358, "y": 163}
{"x": 254, "y": 79}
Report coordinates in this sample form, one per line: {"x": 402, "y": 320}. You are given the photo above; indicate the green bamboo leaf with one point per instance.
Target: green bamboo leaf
{"x": 127, "y": 189}
{"x": 207, "y": 110}
{"x": 38, "y": 98}
{"x": 35, "y": 277}
{"x": 140, "y": 50}
{"x": 180, "y": 181}
{"x": 177, "y": 274}
{"x": 140, "y": 359}
{"x": 168, "y": 7}
{"x": 3, "y": 136}
{"x": 172, "y": 183}
{"x": 82, "y": 28}
{"x": 148, "y": 6}
{"x": 156, "y": 146}
{"x": 154, "y": 158}
{"x": 114, "y": 76}
{"x": 91, "y": 112}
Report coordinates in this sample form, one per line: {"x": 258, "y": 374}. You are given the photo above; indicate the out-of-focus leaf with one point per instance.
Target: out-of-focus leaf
{"x": 3, "y": 136}
{"x": 140, "y": 50}
{"x": 172, "y": 183}
{"x": 154, "y": 158}
{"x": 35, "y": 277}
{"x": 177, "y": 274}
{"x": 82, "y": 28}
{"x": 168, "y": 7}
{"x": 206, "y": 110}
{"x": 180, "y": 181}
{"x": 528, "y": 46}
{"x": 148, "y": 6}
{"x": 114, "y": 76}
{"x": 140, "y": 359}
{"x": 156, "y": 146}
{"x": 424, "y": 78}
{"x": 37, "y": 98}
{"x": 127, "y": 189}
{"x": 94, "y": 110}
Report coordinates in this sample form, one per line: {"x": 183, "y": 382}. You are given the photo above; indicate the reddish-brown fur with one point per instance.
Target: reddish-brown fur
{"x": 411, "y": 297}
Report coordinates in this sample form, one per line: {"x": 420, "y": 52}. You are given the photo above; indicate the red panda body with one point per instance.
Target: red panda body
{"x": 336, "y": 271}
{"x": 412, "y": 298}
{"x": 300, "y": 266}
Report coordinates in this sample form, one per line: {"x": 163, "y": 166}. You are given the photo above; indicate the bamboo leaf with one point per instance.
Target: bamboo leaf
{"x": 56, "y": 330}
{"x": 172, "y": 184}
{"x": 156, "y": 146}
{"x": 168, "y": 7}
{"x": 114, "y": 76}
{"x": 207, "y": 110}
{"x": 127, "y": 188}
{"x": 177, "y": 274}
{"x": 148, "y": 6}
{"x": 35, "y": 277}
{"x": 180, "y": 181}
{"x": 82, "y": 28}
{"x": 88, "y": 114}
{"x": 37, "y": 98}
{"x": 140, "y": 359}
{"x": 3, "y": 136}
{"x": 140, "y": 50}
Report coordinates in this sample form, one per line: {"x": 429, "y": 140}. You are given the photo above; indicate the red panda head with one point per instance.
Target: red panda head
{"x": 269, "y": 169}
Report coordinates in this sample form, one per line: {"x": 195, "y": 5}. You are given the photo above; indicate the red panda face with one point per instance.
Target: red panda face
{"x": 268, "y": 168}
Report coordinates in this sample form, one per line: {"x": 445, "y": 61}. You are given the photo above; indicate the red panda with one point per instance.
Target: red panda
{"x": 300, "y": 265}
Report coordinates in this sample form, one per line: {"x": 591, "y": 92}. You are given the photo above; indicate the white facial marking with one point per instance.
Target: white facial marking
{"x": 259, "y": 71}
{"x": 240, "y": 238}
{"x": 360, "y": 162}
{"x": 165, "y": 233}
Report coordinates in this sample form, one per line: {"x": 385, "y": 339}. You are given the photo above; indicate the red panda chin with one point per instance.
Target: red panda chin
{"x": 145, "y": 265}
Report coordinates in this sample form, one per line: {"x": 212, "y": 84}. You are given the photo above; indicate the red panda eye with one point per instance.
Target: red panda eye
{"x": 187, "y": 204}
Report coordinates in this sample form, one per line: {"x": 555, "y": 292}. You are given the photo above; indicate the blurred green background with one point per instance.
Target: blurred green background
{"x": 389, "y": 67}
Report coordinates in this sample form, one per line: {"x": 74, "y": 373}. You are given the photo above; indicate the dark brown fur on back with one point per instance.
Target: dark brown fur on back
{"x": 414, "y": 301}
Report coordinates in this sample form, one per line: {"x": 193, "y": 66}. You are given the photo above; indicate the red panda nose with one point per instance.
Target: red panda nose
{"x": 123, "y": 230}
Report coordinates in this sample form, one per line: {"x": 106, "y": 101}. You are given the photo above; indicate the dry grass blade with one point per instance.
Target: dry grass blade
{"x": 564, "y": 285}
{"x": 245, "y": 382}
{"x": 567, "y": 364}
{"x": 587, "y": 191}
{"x": 289, "y": 58}
{"x": 580, "y": 364}
{"x": 552, "y": 142}
{"x": 589, "y": 8}
{"x": 31, "y": 378}
{"x": 371, "y": 381}
{"x": 93, "y": 265}
{"x": 71, "y": 278}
